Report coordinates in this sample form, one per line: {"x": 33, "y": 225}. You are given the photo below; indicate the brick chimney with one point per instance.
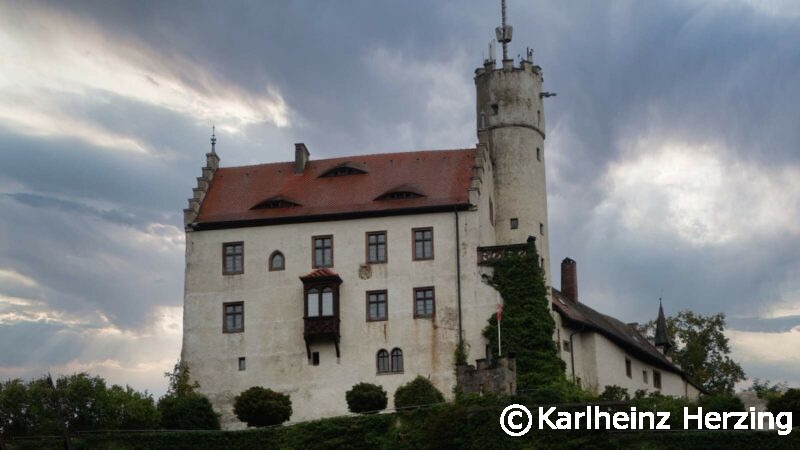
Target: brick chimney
{"x": 301, "y": 157}
{"x": 569, "y": 279}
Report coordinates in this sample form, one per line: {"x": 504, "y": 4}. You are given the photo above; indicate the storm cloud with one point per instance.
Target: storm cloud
{"x": 672, "y": 151}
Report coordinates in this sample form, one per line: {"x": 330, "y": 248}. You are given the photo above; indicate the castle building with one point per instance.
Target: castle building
{"x": 310, "y": 276}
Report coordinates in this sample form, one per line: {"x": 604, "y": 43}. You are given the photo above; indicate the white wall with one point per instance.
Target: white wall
{"x": 273, "y": 338}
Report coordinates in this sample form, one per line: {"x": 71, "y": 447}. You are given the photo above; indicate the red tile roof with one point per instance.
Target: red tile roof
{"x": 320, "y": 273}
{"x": 443, "y": 178}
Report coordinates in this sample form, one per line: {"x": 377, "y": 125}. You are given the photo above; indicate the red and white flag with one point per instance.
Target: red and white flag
{"x": 499, "y": 312}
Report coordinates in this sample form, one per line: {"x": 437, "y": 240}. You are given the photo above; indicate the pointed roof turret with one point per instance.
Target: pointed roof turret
{"x": 662, "y": 339}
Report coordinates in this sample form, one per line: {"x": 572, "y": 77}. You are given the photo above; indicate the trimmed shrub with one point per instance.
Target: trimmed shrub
{"x": 417, "y": 392}
{"x": 788, "y": 402}
{"x": 189, "y": 412}
{"x": 260, "y": 407}
{"x": 365, "y": 398}
{"x": 721, "y": 403}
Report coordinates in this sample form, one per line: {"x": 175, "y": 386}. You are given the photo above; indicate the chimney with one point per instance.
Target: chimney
{"x": 569, "y": 279}
{"x": 300, "y": 157}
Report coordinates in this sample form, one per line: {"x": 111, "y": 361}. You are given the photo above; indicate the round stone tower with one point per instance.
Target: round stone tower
{"x": 510, "y": 121}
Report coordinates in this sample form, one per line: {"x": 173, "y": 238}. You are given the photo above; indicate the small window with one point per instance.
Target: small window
{"x": 424, "y": 303}
{"x": 495, "y": 108}
{"x": 382, "y": 361}
{"x": 277, "y": 261}
{"x": 397, "y": 360}
{"x": 323, "y": 251}
{"x": 491, "y": 212}
{"x": 538, "y": 154}
{"x": 541, "y": 228}
{"x": 514, "y": 223}
{"x": 233, "y": 317}
{"x": 315, "y": 359}
{"x": 566, "y": 346}
{"x": 657, "y": 379}
{"x": 376, "y": 306}
{"x": 539, "y": 117}
{"x": 628, "y": 370}
{"x": 376, "y": 247}
{"x": 242, "y": 364}
{"x": 423, "y": 243}
{"x": 319, "y": 304}
{"x": 232, "y": 258}
{"x": 644, "y": 376}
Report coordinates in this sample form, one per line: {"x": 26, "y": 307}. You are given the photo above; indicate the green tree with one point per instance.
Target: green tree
{"x": 131, "y": 410}
{"x": 766, "y": 390}
{"x": 788, "y": 402}
{"x": 702, "y": 350}
{"x": 527, "y": 326}
{"x": 180, "y": 380}
{"x": 15, "y": 410}
{"x": 189, "y": 412}
{"x": 366, "y": 397}
{"x": 615, "y": 393}
{"x": 260, "y": 407}
{"x": 417, "y": 392}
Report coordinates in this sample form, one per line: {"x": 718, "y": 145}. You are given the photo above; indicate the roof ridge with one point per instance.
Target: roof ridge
{"x": 351, "y": 156}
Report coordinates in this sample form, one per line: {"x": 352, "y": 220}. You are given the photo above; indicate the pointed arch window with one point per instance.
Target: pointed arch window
{"x": 277, "y": 261}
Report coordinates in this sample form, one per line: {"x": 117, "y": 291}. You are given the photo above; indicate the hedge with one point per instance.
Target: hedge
{"x": 442, "y": 426}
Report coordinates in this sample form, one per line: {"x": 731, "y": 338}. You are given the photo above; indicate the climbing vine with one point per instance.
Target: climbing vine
{"x": 527, "y": 326}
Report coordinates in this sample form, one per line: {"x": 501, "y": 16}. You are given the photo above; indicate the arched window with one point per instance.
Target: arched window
{"x": 277, "y": 261}
{"x": 312, "y": 299}
{"x": 382, "y": 361}
{"x": 397, "y": 360}
{"x": 327, "y": 302}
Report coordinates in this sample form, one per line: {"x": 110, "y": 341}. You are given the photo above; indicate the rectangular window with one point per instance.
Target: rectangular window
{"x": 376, "y": 306}
{"x": 423, "y": 243}
{"x": 424, "y": 303}
{"x": 323, "y": 251}
{"x": 313, "y": 303}
{"x": 232, "y": 258}
{"x": 628, "y": 371}
{"x": 566, "y": 346}
{"x": 644, "y": 376}
{"x": 242, "y": 364}
{"x": 376, "y": 247}
{"x": 315, "y": 359}
{"x": 327, "y": 302}
{"x": 514, "y": 223}
{"x": 233, "y": 317}
{"x": 541, "y": 228}
{"x": 657, "y": 379}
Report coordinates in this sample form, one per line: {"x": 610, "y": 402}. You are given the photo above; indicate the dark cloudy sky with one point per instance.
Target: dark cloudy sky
{"x": 673, "y": 151}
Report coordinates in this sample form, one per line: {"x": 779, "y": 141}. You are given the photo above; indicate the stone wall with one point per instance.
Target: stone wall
{"x": 501, "y": 379}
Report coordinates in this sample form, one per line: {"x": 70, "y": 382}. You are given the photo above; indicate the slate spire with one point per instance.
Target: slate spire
{"x": 662, "y": 339}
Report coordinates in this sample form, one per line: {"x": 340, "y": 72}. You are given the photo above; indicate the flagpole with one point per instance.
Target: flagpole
{"x": 499, "y": 345}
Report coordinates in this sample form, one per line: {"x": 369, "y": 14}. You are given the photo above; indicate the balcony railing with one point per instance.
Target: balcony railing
{"x": 490, "y": 255}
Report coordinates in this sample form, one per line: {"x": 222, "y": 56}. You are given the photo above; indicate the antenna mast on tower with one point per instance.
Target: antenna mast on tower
{"x": 504, "y": 31}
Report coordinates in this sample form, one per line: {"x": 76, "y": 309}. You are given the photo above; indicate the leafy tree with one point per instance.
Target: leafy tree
{"x": 766, "y": 390}
{"x": 131, "y": 410}
{"x": 721, "y": 403}
{"x": 180, "y": 380}
{"x": 260, "y": 407}
{"x": 663, "y": 403}
{"x": 615, "y": 393}
{"x": 15, "y": 410}
{"x": 527, "y": 325}
{"x": 366, "y": 397}
{"x": 702, "y": 350}
{"x": 788, "y": 402}
{"x": 417, "y": 392}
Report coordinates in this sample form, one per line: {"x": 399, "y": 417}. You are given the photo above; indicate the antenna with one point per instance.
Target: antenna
{"x": 213, "y": 138}
{"x": 504, "y": 31}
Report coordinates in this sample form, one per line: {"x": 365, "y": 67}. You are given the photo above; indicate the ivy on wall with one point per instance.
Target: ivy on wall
{"x": 527, "y": 327}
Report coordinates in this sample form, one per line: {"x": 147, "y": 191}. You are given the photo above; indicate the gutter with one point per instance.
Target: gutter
{"x": 572, "y": 350}
{"x": 458, "y": 279}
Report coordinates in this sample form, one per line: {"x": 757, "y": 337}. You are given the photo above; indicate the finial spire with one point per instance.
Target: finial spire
{"x": 213, "y": 138}
{"x": 503, "y": 32}
{"x": 662, "y": 338}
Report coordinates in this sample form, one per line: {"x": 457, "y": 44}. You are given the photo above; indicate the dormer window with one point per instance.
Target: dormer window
{"x": 342, "y": 170}
{"x": 276, "y": 202}
{"x": 400, "y": 193}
